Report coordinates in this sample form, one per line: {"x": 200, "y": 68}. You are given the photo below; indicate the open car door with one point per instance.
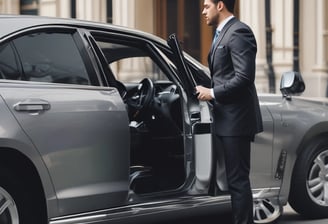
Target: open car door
{"x": 200, "y": 158}
{"x": 184, "y": 71}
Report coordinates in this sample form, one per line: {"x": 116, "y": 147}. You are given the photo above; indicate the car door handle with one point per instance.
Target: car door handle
{"x": 32, "y": 105}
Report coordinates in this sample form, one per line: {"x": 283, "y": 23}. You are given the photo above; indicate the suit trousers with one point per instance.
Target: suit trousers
{"x": 237, "y": 160}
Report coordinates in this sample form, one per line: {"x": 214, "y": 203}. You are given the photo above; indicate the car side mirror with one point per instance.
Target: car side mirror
{"x": 291, "y": 84}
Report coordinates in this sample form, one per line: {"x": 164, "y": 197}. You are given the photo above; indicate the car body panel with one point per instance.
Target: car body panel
{"x": 165, "y": 209}
{"x": 86, "y": 126}
{"x": 14, "y": 140}
{"x": 296, "y": 122}
{"x": 261, "y": 151}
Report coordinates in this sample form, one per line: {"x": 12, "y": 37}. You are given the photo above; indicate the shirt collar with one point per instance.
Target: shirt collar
{"x": 224, "y": 22}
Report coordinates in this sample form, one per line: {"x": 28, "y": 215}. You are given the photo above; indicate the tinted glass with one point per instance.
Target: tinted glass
{"x": 51, "y": 57}
{"x": 8, "y": 63}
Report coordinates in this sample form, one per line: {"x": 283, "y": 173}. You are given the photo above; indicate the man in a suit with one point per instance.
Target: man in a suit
{"x": 236, "y": 111}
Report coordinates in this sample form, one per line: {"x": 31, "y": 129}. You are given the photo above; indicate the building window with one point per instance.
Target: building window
{"x": 109, "y": 11}
{"x": 29, "y": 7}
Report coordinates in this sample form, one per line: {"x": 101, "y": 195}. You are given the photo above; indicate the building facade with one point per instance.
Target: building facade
{"x": 183, "y": 17}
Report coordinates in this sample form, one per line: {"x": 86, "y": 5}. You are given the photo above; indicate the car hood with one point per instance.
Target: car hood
{"x": 316, "y": 100}
{"x": 274, "y": 99}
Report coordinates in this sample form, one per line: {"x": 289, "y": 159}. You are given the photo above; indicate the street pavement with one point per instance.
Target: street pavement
{"x": 289, "y": 217}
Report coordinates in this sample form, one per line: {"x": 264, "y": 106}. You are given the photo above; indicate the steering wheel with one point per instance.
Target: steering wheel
{"x": 140, "y": 99}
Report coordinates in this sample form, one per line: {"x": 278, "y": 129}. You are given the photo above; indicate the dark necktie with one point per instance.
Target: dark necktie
{"x": 216, "y": 36}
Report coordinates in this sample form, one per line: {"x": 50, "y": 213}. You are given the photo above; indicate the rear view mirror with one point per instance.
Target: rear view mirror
{"x": 291, "y": 83}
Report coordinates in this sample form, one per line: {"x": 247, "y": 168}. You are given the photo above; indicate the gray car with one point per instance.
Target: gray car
{"x": 100, "y": 124}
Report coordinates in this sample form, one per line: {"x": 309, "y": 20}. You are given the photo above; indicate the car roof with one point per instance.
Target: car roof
{"x": 12, "y": 23}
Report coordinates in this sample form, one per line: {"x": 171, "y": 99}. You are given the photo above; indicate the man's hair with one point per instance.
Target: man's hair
{"x": 230, "y": 4}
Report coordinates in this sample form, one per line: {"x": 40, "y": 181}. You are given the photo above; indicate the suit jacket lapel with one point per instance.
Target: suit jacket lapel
{"x": 222, "y": 33}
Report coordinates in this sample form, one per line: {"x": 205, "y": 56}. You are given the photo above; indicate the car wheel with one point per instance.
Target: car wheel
{"x": 18, "y": 203}
{"x": 8, "y": 209}
{"x": 309, "y": 189}
{"x": 266, "y": 211}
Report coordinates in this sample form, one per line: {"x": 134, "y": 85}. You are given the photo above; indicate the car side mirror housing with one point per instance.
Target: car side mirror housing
{"x": 291, "y": 84}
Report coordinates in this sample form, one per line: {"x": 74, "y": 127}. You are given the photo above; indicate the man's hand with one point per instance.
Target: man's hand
{"x": 204, "y": 93}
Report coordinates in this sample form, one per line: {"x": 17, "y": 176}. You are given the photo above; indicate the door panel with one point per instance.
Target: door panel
{"x": 261, "y": 154}
{"x": 83, "y": 137}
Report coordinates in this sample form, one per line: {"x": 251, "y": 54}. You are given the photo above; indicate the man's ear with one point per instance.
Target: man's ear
{"x": 220, "y": 6}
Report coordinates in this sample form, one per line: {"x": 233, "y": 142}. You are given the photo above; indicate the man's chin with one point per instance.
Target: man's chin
{"x": 209, "y": 22}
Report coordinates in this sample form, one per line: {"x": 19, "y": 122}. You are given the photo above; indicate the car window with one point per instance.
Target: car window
{"x": 45, "y": 57}
{"x": 9, "y": 68}
{"x": 129, "y": 63}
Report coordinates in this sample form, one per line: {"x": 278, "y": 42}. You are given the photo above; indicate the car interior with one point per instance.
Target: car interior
{"x": 156, "y": 120}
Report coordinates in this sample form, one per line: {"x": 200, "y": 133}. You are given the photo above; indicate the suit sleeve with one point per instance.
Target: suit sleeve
{"x": 242, "y": 45}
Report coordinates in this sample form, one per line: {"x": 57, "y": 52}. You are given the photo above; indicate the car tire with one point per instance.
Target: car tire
{"x": 308, "y": 193}
{"x": 18, "y": 200}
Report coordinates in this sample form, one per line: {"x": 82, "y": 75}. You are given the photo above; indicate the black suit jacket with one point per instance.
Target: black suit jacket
{"x": 232, "y": 65}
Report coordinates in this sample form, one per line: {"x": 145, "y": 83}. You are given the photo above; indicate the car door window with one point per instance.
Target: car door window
{"x": 9, "y": 68}
{"x": 45, "y": 57}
